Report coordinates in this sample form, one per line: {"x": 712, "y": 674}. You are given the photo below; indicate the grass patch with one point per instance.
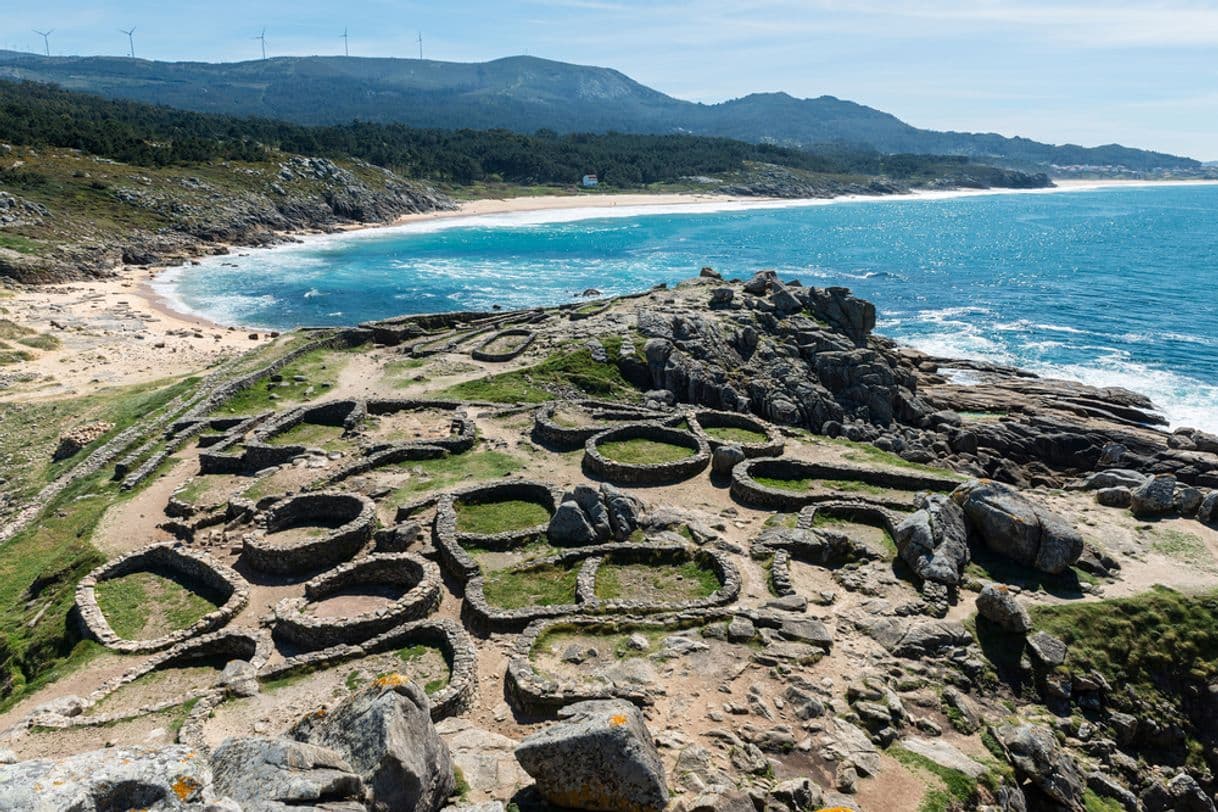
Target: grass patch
{"x": 487, "y": 518}
{"x": 793, "y": 485}
{"x": 688, "y": 581}
{"x": 311, "y": 435}
{"x": 640, "y": 451}
{"x": 40, "y": 342}
{"x": 397, "y": 372}
{"x": 131, "y": 602}
{"x": 472, "y": 466}
{"x": 561, "y": 373}
{"x": 733, "y": 434}
{"x": 867, "y": 453}
{"x": 10, "y": 356}
{"x": 22, "y": 245}
{"x": 319, "y": 370}
{"x": 1094, "y": 803}
{"x": 955, "y": 789}
{"x": 538, "y": 586}
{"x": 1152, "y": 640}
{"x": 1181, "y": 546}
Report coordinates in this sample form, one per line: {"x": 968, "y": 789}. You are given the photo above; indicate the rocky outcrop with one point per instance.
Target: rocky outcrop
{"x": 282, "y": 771}
{"x": 386, "y": 734}
{"x": 600, "y": 756}
{"x": 996, "y": 604}
{"x": 589, "y": 515}
{"x": 933, "y": 540}
{"x": 168, "y": 778}
{"x": 1013, "y": 526}
{"x": 1038, "y": 758}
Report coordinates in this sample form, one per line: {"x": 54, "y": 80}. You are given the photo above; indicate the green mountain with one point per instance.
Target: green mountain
{"x": 527, "y": 94}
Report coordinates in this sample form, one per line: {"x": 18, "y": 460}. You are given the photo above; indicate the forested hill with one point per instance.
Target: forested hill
{"x": 526, "y": 94}
{"x": 36, "y": 115}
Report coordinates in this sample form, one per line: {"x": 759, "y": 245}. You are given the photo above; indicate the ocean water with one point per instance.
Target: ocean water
{"x": 1112, "y": 287}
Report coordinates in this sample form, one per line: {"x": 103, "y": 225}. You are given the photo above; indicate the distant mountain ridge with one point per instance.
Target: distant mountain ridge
{"x": 527, "y": 94}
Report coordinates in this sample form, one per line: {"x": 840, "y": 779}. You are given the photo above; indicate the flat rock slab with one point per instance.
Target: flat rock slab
{"x": 599, "y": 756}
{"x": 943, "y": 754}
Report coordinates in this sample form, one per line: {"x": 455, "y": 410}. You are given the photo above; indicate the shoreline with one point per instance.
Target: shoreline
{"x": 130, "y": 330}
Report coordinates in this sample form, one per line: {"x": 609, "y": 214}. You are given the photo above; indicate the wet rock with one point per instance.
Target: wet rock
{"x": 600, "y": 755}
{"x": 385, "y": 732}
{"x": 283, "y": 771}
{"x": 996, "y": 604}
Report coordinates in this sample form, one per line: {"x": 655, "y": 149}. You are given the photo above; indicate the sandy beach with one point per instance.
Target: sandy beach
{"x": 120, "y": 331}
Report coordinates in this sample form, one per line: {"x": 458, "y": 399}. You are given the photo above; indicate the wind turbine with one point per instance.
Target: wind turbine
{"x": 262, "y": 38}
{"x": 46, "y": 39}
{"x": 420, "y": 45}
{"x": 346, "y": 48}
{"x": 130, "y": 38}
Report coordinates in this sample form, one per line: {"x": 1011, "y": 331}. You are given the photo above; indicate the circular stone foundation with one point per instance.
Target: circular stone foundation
{"x": 192, "y": 566}
{"x": 211, "y": 652}
{"x": 504, "y": 345}
{"x": 418, "y": 580}
{"x": 754, "y": 437}
{"x": 621, "y": 455}
{"x": 330, "y": 527}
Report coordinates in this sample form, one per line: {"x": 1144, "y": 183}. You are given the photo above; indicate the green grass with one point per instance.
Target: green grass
{"x": 397, "y": 372}
{"x": 443, "y": 472}
{"x": 562, "y": 372}
{"x": 955, "y": 789}
{"x": 794, "y": 485}
{"x": 42, "y": 564}
{"x": 8, "y": 357}
{"x": 488, "y": 518}
{"x": 11, "y": 329}
{"x": 640, "y": 451}
{"x": 545, "y": 585}
{"x": 867, "y": 453}
{"x": 1181, "y": 546}
{"x": 852, "y": 486}
{"x": 40, "y": 342}
{"x": 25, "y": 455}
{"x": 686, "y": 582}
{"x": 559, "y": 636}
{"x": 311, "y": 435}
{"x": 22, "y": 245}
{"x": 130, "y": 602}
{"x": 732, "y": 434}
{"x": 1094, "y": 803}
{"x": 320, "y": 369}
{"x": 1144, "y": 641}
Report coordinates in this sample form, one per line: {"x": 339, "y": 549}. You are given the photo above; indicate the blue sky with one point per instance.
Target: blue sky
{"x": 1143, "y": 74}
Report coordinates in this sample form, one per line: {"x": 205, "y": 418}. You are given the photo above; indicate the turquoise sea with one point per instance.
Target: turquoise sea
{"x": 1114, "y": 286}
